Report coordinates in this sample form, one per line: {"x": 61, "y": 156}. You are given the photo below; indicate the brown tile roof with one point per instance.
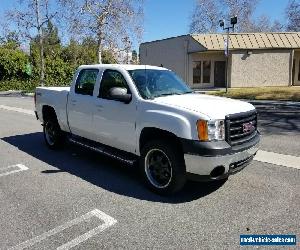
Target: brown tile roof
{"x": 249, "y": 40}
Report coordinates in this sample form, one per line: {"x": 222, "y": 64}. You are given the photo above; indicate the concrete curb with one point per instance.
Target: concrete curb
{"x": 270, "y": 102}
{"x": 15, "y": 93}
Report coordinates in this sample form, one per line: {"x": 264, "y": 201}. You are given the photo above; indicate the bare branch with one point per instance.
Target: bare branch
{"x": 30, "y": 19}
{"x": 207, "y": 14}
{"x": 108, "y": 21}
{"x": 292, "y": 13}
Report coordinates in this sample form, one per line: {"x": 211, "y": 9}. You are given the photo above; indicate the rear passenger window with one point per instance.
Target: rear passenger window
{"x": 86, "y": 81}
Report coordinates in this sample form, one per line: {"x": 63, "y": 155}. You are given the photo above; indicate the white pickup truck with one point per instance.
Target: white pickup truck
{"x": 148, "y": 115}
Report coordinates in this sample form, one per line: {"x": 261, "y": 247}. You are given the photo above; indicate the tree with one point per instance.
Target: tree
{"x": 110, "y": 22}
{"x": 52, "y": 43}
{"x": 207, "y": 14}
{"x": 52, "y": 50}
{"x": 76, "y": 53}
{"x": 134, "y": 59}
{"x": 264, "y": 24}
{"x": 12, "y": 63}
{"x": 244, "y": 9}
{"x": 31, "y": 18}
{"x": 205, "y": 17}
{"x": 72, "y": 52}
{"x": 277, "y": 26}
{"x": 11, "y": 40}
{"x": 292, "y": 12}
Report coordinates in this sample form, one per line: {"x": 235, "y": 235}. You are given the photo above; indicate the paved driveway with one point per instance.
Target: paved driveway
{"x": 76, "y": 198}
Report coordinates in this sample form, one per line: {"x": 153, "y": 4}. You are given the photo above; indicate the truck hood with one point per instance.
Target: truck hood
{"x": 212, "y": 106}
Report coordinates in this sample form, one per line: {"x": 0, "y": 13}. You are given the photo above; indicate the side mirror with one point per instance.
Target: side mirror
{"x": 119, "y": 94}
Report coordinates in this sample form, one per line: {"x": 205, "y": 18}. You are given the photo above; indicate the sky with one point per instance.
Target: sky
{"x": 167, "y": 18}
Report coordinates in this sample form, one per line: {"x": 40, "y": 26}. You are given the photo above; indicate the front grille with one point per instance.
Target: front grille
{"x": 241, "y": 127}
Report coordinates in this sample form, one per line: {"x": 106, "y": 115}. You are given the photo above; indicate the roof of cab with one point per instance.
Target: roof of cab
{"x": 124, "y": 66}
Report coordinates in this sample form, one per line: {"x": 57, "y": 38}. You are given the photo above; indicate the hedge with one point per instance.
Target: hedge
{"x": 15, "y": 84}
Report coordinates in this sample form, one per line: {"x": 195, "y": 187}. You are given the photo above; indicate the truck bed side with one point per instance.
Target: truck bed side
{"x": 55, "y": 97}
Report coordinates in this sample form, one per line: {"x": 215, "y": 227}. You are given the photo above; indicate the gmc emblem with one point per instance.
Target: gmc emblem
{"x": 247, "y": 127}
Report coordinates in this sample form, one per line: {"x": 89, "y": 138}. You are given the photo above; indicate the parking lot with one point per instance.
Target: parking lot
{"x": 77, "y": 198}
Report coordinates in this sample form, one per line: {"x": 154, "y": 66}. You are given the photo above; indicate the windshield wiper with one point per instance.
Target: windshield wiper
{"x": 165, "y": 94}
{"x": 189, "y": 92}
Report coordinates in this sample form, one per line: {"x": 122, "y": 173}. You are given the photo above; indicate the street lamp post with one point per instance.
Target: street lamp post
{"x": 233, "y": 21}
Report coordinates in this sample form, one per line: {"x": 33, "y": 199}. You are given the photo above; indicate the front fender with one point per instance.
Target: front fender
{"x": 172, "y": 122}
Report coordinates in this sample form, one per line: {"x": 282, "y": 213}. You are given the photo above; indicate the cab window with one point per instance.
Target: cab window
{"x": 86, "y": 81}
{"x": 110, "y": 79}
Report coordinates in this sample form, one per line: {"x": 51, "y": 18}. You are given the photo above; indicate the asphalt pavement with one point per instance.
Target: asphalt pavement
{"x": 77, "y": 198}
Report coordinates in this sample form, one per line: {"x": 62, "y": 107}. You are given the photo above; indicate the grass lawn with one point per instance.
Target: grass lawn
{"x": 263, "y": 93}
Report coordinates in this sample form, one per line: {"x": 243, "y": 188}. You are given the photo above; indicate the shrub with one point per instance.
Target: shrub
{"x": 16, "y": 84}
{"x": 12, "y": 63}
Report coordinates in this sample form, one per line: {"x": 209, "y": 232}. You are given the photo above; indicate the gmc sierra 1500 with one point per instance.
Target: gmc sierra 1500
{"x": 148, "y": 115}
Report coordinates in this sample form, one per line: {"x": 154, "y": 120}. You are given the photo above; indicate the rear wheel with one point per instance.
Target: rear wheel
{"x": 162, "y": 167}
{"x": 53, "y": 135}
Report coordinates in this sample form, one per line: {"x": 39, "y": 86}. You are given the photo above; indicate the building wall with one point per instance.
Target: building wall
{"x": 261, "y": 68}
{"x": 171, "y": 53}
{"x": 267, "y": 67}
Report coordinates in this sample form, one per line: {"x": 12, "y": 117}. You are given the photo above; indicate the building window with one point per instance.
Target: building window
{"x": 201, "y": 72}
{"x": 206, "y": 71}
{"x": 197, "y": 72}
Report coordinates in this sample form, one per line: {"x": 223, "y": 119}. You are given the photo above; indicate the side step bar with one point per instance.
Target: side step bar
{"x": 116, "y": 154}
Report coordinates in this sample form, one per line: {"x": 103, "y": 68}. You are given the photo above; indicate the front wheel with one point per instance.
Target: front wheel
{"x": 162, "y": 167}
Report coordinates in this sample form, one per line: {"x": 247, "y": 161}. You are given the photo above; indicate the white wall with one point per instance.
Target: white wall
{"x": 261, "y": 68}
{"x": 171, "y": 53}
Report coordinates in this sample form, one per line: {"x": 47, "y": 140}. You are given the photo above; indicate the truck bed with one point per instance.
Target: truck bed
{"x": 55, "y": 97}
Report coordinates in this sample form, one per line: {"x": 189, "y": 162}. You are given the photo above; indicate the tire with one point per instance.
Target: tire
{"x": 162, "y": 167}
{"x": 53, "y": 135}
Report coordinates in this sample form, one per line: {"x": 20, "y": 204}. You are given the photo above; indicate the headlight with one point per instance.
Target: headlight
{"x": 212, "y": 130}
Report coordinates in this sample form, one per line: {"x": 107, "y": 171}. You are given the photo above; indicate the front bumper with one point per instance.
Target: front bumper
{"x": 202, "y": 158}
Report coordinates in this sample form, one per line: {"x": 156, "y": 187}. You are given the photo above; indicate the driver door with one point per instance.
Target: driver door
{"x": 114, "y": 121}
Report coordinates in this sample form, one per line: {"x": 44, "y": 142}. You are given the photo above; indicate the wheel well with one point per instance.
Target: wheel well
{"x": 48, "y": 112}
{"x": 148, "y": 134}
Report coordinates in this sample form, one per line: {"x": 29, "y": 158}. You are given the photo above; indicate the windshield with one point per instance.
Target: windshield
{"x": 154, "y": 83}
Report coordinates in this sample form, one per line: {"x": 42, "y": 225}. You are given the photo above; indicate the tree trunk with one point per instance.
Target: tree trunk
{"x": 42, "y": 61}
{"x": 99, "y": 50}
{"x": 41, "y": 43}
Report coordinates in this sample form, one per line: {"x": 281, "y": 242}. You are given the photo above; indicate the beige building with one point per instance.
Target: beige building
{"x": 255, "y": 59}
